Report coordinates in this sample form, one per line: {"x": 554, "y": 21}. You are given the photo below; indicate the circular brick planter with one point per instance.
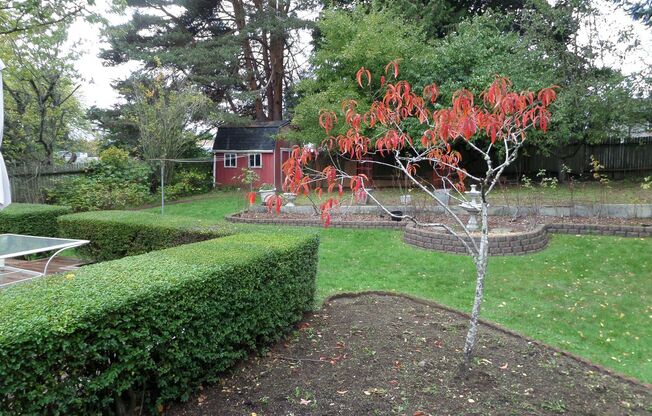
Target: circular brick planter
{"x": 518, "y": 242}
{"x": 499, "y": 244}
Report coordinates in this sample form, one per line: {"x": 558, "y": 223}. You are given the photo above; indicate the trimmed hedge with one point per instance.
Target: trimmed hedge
{"x": 117, "y": 234}
{"x": 149, "y": 328}
{"x": 32, "y": 219}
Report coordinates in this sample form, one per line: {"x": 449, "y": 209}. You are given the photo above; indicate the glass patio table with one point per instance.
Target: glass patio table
{"x": 16, "y": 245}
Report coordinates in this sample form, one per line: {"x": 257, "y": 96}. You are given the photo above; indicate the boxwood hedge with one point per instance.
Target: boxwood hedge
{"x": 150, "y": 328}
{"x": 116, "y": 234}
{"x": 31, "y": 219}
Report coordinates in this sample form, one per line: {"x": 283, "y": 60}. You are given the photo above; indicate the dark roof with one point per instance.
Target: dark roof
{"x": 256, "y": 136}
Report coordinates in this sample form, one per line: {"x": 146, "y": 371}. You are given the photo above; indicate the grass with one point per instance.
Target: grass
{"x": 588, "y": 295}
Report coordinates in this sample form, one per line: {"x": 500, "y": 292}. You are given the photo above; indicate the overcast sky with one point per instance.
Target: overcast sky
{"x": 96, "y": 88}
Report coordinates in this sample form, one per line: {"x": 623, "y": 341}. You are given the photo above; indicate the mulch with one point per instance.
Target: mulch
{"x": 378, "y": 354}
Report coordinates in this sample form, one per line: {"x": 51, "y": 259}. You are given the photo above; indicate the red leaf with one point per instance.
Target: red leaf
{"x": 270, "y": 203}
{"x": 392, "y": 64}
{"x": 362, "y": 71}
{"x": 251, "y": 197}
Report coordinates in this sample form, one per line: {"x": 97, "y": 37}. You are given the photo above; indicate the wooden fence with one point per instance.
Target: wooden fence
{"x": 619, "y": 158}
{"x": 29, "y": 181}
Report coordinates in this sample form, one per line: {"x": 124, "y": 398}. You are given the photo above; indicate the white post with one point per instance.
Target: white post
{"x": 162, "y": 187}
{"x": 214, "y": 169}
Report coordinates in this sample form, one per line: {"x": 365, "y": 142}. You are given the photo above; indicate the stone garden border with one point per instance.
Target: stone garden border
{"x": 316, "y": 222}
{"x": 520, "y": 242}
{"x": 499, "y": 244}
{"x": 431, "y": 239}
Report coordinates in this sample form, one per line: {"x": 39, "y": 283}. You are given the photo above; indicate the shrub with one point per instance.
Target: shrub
{"x": 31, "y": 219}
{"x": 114, "y": 156}
{"x": 111, "y": 184}
{"x": 189, "y": 182}
{"x": 84, "y": 194}
{"x": 116, "y": 234}
{"x": 152, "y": 327}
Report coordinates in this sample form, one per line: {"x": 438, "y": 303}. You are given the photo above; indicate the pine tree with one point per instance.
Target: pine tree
{"x": 239, "y": 53}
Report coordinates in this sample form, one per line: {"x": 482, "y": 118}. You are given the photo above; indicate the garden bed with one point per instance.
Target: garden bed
{"x": 378, "y": 354}
{"x": 502, "y": 223}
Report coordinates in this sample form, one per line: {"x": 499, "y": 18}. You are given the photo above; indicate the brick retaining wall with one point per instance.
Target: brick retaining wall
{"x": 517, "y": 243}
{"x": 499, "y": 245}
{"x": 598, "y": 229}
{"x": 316, "y": 222}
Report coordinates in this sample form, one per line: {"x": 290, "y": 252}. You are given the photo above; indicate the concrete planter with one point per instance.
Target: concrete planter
{"x": 405, "y": 199}
{"x": 266, "y": 194}
{"x": 363, "y": 197}
{"x": 443, "y": 195}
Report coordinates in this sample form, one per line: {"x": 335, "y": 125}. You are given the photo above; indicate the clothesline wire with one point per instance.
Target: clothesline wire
{"x": 217, "y": 159}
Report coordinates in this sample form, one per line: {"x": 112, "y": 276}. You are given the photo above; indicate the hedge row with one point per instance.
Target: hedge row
{"x": 150, "y": 328}
{"x": 31, "y": 219}
{"x": 117, "y": 234}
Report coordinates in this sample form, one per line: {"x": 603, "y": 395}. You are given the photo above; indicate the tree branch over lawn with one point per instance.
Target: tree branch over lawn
{"x": 491, "y": 125}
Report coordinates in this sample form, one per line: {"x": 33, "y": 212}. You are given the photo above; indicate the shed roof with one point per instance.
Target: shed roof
{"x": 256, "y": 136}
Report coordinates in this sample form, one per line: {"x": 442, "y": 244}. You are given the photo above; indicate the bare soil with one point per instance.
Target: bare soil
{"x": 378, "y": 354}
{"x": 496, "y": 222}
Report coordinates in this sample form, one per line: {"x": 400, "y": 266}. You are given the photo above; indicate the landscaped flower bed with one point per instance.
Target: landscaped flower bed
{"x": 387, "y": 354}
{"x": 508, "y": 235}
{"x": 499, "y": 223}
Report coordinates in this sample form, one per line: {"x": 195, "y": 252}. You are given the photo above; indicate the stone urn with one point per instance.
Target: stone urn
{"x": 362, "y": 197}
{"x": 443, "y": 195}
{"x": 405, "y": 199}
{"x": 265, "y": 194}
{"x": 472, "y": 207}
{"x": 289, "y": 198}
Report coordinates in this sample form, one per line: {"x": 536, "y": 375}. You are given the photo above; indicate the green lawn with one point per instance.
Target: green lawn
{"x": 588, "y": 295}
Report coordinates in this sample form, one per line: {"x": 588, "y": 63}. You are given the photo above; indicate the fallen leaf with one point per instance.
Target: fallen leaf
{"x": 342, "y": 391}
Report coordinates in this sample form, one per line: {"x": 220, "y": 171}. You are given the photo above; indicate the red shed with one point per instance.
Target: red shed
{"x": 250, "y": 147}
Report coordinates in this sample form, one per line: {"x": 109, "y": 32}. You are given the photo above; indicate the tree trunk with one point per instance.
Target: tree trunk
{"x": 481, "y": 269}
{"x": 250, "y": 63}
{"x": 276, "y": 54}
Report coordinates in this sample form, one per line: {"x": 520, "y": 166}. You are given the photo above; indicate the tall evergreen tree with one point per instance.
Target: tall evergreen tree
{"x": 239, "y": 53}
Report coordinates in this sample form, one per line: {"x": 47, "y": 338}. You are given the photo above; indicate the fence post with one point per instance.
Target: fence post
{"x": 162, "y": 187}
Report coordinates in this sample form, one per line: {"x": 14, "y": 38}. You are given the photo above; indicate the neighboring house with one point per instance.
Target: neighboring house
{"x": 206, "y": 145}
{"x": 250, "y": 147}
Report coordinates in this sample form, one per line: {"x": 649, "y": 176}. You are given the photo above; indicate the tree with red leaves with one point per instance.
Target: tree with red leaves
{"x": 496, "y": 120}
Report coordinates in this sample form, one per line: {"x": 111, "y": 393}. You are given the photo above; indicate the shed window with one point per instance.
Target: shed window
{"x": 255, "y": 160}
{"x": 230, "y": 160}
